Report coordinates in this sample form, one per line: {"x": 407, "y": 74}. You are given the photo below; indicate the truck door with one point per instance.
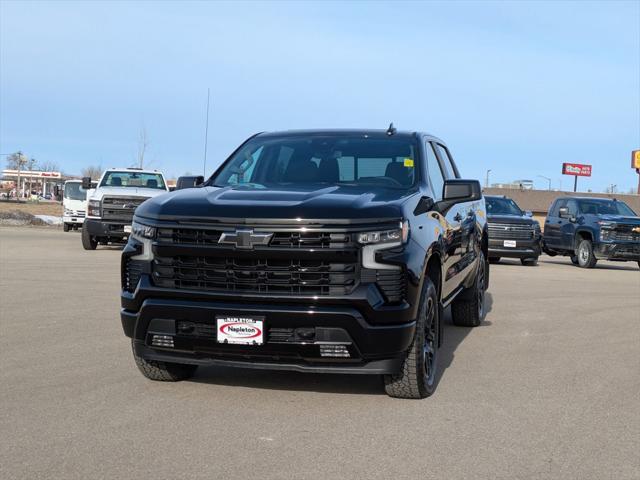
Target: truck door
{"x": 460, "y": 227}
{"x": 568, "y": 227}
{"x": 553, "y": 224}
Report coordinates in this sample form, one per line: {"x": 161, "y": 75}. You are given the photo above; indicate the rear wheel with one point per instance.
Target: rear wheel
{"x": 586, "y": 257}
{"x": 163, "y": 371}
{"x": 468, "y": 309}
{"x": 574, "y": 259}
{"x": 88, "y": 242}
{"x": 417, "y": 379}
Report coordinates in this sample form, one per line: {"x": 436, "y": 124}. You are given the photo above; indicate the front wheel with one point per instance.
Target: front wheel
{"x": 88, "y": 242}
{"x": 66, "y": 227}
{"x": 163, "y": 371}
{"x": 494, "y": 259}
{"x": 417, "y": 379}
{"x": 529, "y": 262}
{"x": 586, "y": 257}
{"x": 467, "y": 310}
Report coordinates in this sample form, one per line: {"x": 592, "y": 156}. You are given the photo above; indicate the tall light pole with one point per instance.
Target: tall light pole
{"x": 486, "y": 182}
{"x": 547, "y": 179}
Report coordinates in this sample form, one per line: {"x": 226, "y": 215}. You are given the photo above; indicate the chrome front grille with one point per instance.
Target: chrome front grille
{"x": 120, "y": 208}
{"x": 510, "y": 231}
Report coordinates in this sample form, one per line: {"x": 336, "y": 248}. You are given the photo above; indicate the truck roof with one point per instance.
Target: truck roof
{"x": 346, "y": 132}
{"x": 132, "y": 169}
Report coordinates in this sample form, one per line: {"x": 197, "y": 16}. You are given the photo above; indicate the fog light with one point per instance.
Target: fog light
{"x": 162, "y": 341}
{"x": 334, "y": 351}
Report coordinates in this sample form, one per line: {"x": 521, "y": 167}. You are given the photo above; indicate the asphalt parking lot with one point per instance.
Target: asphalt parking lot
{"x": 547, "y": 387}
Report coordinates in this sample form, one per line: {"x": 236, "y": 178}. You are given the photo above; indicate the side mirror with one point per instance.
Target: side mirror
{"x": 528, "y": 213}
{"x": 425, "y": 204}
{"x": 189, "y": 182}
{"x": 458, "y": 191}
{"x": 86, "y": 183}
{"x": 564, "y": 212}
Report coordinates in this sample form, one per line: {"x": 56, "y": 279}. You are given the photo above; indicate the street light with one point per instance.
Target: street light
{"x": 547, "y": 179}
{"x": 486, "y": 183}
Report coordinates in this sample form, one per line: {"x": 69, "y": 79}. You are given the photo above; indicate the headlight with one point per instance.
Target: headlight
{"x": 68, "y": 212}
{"x": 142, "y": 231}
{"x": 605, "y": 224}
{"x": 93, "y": 208}
{"x": 398, "y": 235}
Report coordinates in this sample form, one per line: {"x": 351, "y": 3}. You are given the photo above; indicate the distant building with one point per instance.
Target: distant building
{"x": 515, "y": 185}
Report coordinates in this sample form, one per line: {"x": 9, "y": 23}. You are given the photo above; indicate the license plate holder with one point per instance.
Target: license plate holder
{"x": 127, "y": 229}
{"x": 240, "y": 329}
{"x": 510, "y": 243}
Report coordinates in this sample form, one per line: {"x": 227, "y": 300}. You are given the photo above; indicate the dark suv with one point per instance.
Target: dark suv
{"x": 512, "y": 232}
{"x": 313, "y": 251}
{"x": 588, "y": 229}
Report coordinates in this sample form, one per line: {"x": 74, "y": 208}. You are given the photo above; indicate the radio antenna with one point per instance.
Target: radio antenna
{"x": 391, "y": 130}
{"x": 206, "y": 137}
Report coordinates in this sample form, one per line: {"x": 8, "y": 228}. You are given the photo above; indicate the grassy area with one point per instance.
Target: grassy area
{"x": 41, "y": 208}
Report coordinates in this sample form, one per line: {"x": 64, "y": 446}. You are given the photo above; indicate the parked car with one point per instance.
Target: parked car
{"x": 513, "y": 233}
{"x": 314, "y": 251}
{"x": 589, "y": 229}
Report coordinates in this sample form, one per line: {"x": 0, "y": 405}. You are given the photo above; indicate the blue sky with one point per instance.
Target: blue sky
{"x": 515, "y": 87}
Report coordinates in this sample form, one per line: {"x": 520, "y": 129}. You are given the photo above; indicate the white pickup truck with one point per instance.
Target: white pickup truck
{"x": 111, "y": 205}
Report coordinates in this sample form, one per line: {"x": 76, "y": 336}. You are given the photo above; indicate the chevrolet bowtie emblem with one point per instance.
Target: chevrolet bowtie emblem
{"x": 636, "y": 230}
{"x": 246, "y": 239}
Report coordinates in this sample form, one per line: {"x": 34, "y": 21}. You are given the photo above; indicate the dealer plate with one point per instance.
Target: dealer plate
{"x": 240, "y": 329}
{"x": 127, "y": 229}
{"x": 510, "y": 243}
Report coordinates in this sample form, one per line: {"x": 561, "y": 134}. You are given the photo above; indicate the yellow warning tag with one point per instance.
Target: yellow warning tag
{"x": 408, "y": 162}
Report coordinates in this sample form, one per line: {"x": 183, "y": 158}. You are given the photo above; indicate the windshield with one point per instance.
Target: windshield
{"x": 269, "y": 162}
{"x": 502, "y": 206}
{"x": 133, "y": 179}
{"x": 74, "y": 191}
{"x": 605, "y": 207}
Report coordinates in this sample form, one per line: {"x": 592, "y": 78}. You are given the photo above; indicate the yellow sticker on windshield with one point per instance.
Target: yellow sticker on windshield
{"x": 408, "y": 162}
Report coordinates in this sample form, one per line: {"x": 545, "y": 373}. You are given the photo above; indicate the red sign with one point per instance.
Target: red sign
{"x": 578, "y": 169}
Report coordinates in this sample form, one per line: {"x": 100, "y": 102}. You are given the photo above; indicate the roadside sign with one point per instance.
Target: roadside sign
{"x": 635, "y": 159}
{"x": 578, "y": 169}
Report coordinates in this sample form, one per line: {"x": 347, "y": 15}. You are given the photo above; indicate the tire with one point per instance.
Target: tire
{"x": 529, "y": 262}
{"x": 586, "y": 257}
{"x": 468, "y": 309}
{"x": 88, "y": 242}
{"x": 66, "y": 227}
{"x": 494, "y": 259}
{"x": 417, "y": 378}
{"x": 163, "y": 371}
{"x": 574, "y": 259}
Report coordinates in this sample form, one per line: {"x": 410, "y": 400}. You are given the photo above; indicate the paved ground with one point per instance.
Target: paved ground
{"x": 548, "y": 387}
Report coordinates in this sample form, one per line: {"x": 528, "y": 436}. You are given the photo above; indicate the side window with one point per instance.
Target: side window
{"x": 434, "y": 172}
{"x": 446, "y": 161}
{"x": 572, "y": 205}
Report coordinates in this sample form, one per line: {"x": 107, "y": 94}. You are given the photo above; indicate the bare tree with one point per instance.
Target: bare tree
{"x": 93, "y": 171}
{"x": 49, "y": 166}
{"x": 16, "y": 161}
{"x": 143, "y": 143}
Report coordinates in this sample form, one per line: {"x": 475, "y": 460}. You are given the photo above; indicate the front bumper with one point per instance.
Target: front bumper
{"x": 623, "y": 251}
{"x": 73, "y": 219}
{"x": 373, "y": 347}
{"x": 523, "y": 249}
{"x": 100, "y": 228}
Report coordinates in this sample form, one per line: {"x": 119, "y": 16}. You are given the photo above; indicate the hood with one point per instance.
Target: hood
{"x": 515, "y": 219}
{"x": 619, "y": 219}
{"x": 333, "y": 204}
{"x": 125, "y": 192}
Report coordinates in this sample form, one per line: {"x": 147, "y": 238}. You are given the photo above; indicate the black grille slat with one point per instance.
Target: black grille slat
{"x": 621, "y": 233}
{"x": 131, "y": 274}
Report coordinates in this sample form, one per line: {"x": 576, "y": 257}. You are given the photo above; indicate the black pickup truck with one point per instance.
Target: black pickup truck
{"x": 588, "y": 229}
{"x": 313, "y": 251}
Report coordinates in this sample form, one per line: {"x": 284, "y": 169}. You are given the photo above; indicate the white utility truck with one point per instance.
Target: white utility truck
{"x": 74, "y": 202}
{"x": 111, "y": 204}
